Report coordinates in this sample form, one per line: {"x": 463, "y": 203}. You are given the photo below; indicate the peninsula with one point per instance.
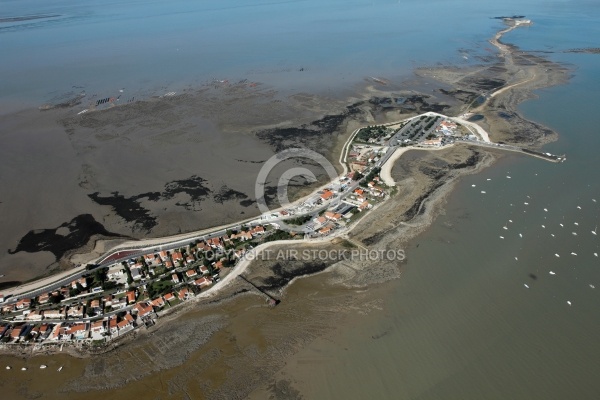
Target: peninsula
{"x": 137, "y": 282}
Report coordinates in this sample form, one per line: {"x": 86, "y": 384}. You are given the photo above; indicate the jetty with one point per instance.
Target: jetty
{"x": 272, "y": 301}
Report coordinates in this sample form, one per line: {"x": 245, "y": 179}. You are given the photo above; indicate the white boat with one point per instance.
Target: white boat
{"x": 592, "y": 286}
{"x": 23, "y": 369}
{"x": 579, "y": 207}
{"x": 43, "y": 366}
{"x": 561, "y": 225}
{"x": 8, "y": 367}
{"x": 543, "y": 227}
{"x": 568, "y": 302}
{"x": 556, "y": 255}
{"x": 596, "y": 254}
{"x": 574, "y": 233}
{"x": 510, "y": 220}
{"x": 526, "y": 285}
{"x": 508, "y": 176}
{"x": 520, "y": 235}
{"x": 576, "y": 223}
{"x": 504, "y": 227}
{"x": 526, "y": 203}
{"x": 552, "y": 273}
{"x": 60, "y": 368}
{"x": 483, "y": 191}
{"x": 501, "y": 237}
{"x": 573, "y": 253}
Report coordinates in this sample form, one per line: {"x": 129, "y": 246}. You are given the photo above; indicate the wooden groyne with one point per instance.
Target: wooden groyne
{"x": 272, "y": 301}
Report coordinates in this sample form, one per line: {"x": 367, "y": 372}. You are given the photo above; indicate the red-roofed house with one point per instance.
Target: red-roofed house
{"x": 333, "y": 216}
{"x": 327, "y": 194}
{"x": 177, "y": 256}
{"x": 131, "y": 297}
{"x": 98, "y": 327}
{"x": 79, "y": 331}
{"x": 163, "y": 255}
{"x": 143, "y": 309}
{"x": 23, "y": 303}
{"x": 184, "y": 294}
{"x": 169, "y": 297}
{"x": 191, "y": 273}
{"x": 158, "y": 302}
{"x": 203, "y": 282}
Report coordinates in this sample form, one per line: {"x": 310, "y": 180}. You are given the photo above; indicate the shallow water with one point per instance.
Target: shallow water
{"x": 477, "y": 316}
{"x": 460, "y": 323}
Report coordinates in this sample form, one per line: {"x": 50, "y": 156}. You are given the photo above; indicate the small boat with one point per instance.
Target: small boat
{"x": 545, "y": 209}
{"x": 60, "y": 368}
{"x": 510, "y": 220}
{"x": 561, "y": 225}
{"x": 483, "y": 191}
{"x": 520, "y": 235}
{"x": 574, "y": 233}
{"x": 516, "y": 259}
{"x": 488, "y": 179}
{"x": 573, "y": 253}
{"x": 594, "y": 200}
{"x": 552, "y": 273}
{"x": 592, "y": 286}
{"x": 473, "y": 185}
{"x": 43, "y": 366}
{"x": 568, "y": 302}
{"x": 557, "y": 255}
{"x": 501, "y": 237}
{"x": 576, "y": 223}
{"x": 579, "y": 207}
{"x": 595, "y": 254}
{"x": 508, "y": 176}
{"x": 24, "y": 369}
{"x": 526, "y": 285}
{"x": 526, "y": 203}
{"x": 543, "y": 227}
{"x": 8, "y": 367}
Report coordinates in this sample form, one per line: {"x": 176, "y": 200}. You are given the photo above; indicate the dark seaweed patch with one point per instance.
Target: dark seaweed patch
{"x": 246, "y": 203}
{"x": 194, "y": 186}
{"x": 227, "y": 194}
{"x": 129, "y": 208}
{"x": 314, "y": 135}
{"x": 283, "y": 274}
{"x": 81, "y": 229}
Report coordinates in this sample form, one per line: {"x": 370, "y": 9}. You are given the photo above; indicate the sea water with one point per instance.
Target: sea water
{"x": 475, "y": 316}
{"x": 460, "y": 323}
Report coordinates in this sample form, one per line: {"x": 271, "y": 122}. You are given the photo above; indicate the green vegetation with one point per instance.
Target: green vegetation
{"x": 298, "y": 220}
{"x": 159, "y": 288}
{"x": 372, "y": 132}
{"x": 347, "y": 244}
{"x": 277, "y": 235}
{"x": 374, "y": 172}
